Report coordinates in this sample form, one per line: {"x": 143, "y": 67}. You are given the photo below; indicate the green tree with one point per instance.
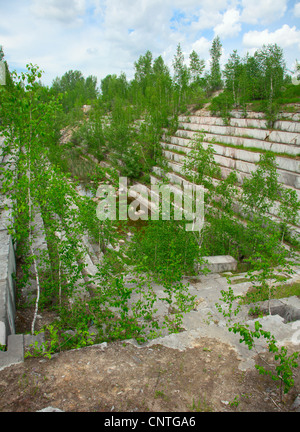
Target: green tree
{"x": 262, "y": 189}
{"x": 215, "y": 78}
{"x": 232, "y": 73}
{"x": 200, "y": 167}
{"x": 9, "y": 84}
{"x": 197, "y": 66}
{"x": 75, "y": 89}
{"x": 260, "y": 193}
{"x": 181, "y": 76}
{"x": 113, "y": 87}
{"x": 272, "y": 70}
{"x": 27, "y": 134}
{"x": 162, "y": 84}
{"x": 144, "y": 70}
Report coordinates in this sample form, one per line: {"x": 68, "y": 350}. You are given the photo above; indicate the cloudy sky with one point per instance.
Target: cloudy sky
{"x": 101, "y": 37}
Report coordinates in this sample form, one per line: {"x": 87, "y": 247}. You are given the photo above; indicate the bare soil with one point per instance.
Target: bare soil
{"x": 125, "y": 378}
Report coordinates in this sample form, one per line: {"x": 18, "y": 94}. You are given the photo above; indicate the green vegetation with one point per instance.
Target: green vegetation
{"x": 257, "y": 81}
{"x": 120, "y": 136}
{"x": 260, "y": 293}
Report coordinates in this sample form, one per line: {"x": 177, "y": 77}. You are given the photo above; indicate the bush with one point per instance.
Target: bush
{"x": 221, "y": 106}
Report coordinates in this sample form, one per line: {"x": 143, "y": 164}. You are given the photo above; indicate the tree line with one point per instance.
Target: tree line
{"x": 130, "y": 115}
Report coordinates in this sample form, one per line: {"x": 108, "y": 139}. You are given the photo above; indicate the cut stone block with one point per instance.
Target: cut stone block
{"x": 7, "y": 287}
{"x": 50, "y": 409}
{"x": 14, "y": 353}
{"x": 219, "y": 264}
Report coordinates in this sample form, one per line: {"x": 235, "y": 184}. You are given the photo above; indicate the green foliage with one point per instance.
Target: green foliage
{"x": 199, "y": 165}
{"x": 75, "y": 90}
{"x": 221, "y": 105}
{"x": 125, "y": 126}
{"x": 165, "y": 249}
{"x": 228, "y": 298}
{"x": 290, "y": 94}
{"x": 113, "y": 87}
{"x": 35, "y": 186}
{"x": 90, "y": 135}
{"x": 65, "y": 217}
{"x": 285, "y": 364}
{"x": 262, "y": 188}
{"x": 215, "y": 78}
{"x": 181, "y": 75}
{"x": 254, "y": 78}
{"x": 197, "y": 66}
{"x": 57, "y": 341}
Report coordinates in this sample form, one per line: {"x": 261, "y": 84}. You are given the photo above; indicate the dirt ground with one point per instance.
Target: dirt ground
{"x": 125, "y": 378}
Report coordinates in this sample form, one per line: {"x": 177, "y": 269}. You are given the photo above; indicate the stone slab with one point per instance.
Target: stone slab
{"x": 14, "y": 353}
{"x": 219, "y": 264}
{"x": 7, "y": 287}
{"x": 50, "y": 409}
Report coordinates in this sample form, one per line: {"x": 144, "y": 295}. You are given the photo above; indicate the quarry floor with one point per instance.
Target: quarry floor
{"x": 201, "y": 369}
{"x": 124, "y": 378}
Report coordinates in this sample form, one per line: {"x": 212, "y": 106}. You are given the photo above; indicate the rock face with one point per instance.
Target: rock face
{"x": 296, "y": 404}
{"x": 237, "y": 146}
{"x": 7, "y": 287}
{"x": 219, "y": 264}
{"x": 7, "y": 264}
{"x": 50, "y": 409}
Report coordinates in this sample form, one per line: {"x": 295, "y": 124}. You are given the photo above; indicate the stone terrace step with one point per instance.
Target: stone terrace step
{"x": 177, "y": 180}
{"x": 239, "y": 114}
{"x": 282, "y": 125}
{"x": 287, "y": 178}
{"x": 285, "y": 163}
{"x": 290, "y": 149}
{"x": 243, "y": 169}
{"x": 283, "y": 137}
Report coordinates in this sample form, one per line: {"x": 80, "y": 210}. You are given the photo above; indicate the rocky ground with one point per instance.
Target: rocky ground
{"x": 121, "y": 377}
{"x": 202, "y": 369}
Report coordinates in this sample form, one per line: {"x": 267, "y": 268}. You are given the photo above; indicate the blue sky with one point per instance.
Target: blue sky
{"x": 101, "y": 37}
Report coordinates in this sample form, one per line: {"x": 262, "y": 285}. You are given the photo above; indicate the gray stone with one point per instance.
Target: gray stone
{"x": 14, "y": 353}
{"x": 7, "y": 287}
{"x": 30, "y": 340}
{"x": 70, "y": 332}
{"x": 296, "y": 405}
{"x": 50, "y": 409}
{"x": 219, "y": 264}
{"x": 287, "y": 308}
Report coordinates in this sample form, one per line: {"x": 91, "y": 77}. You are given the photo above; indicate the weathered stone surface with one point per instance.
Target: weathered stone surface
{"x": 30, "y": 340}
{"x": 50, "y": 409}
{"x": 258, "y": 123}
{"x": 14, "y": 353}
{"x": 231, "y": 143}
{"x": 219, "y": 264}
{"x": 296, "y": 405}
{"x": 7, "y": 286}
{"x": 292, "y": 147}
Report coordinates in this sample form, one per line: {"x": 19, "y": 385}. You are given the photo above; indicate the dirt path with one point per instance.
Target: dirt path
{"x": 121, "y": 377}
{"x": 203, "y": 374}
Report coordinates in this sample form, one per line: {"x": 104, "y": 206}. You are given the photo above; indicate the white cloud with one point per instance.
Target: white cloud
{"x": 102, "y": 37}
{"x": 264, "y": 11}
{"x": 285, "y": 37}
{"x": 66, "y": 11}
{"x": 297, "y": 10}
{"x": 206, "y": 19}
{"x": 201, "y": 46}
{"x": 230, "y": 25}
